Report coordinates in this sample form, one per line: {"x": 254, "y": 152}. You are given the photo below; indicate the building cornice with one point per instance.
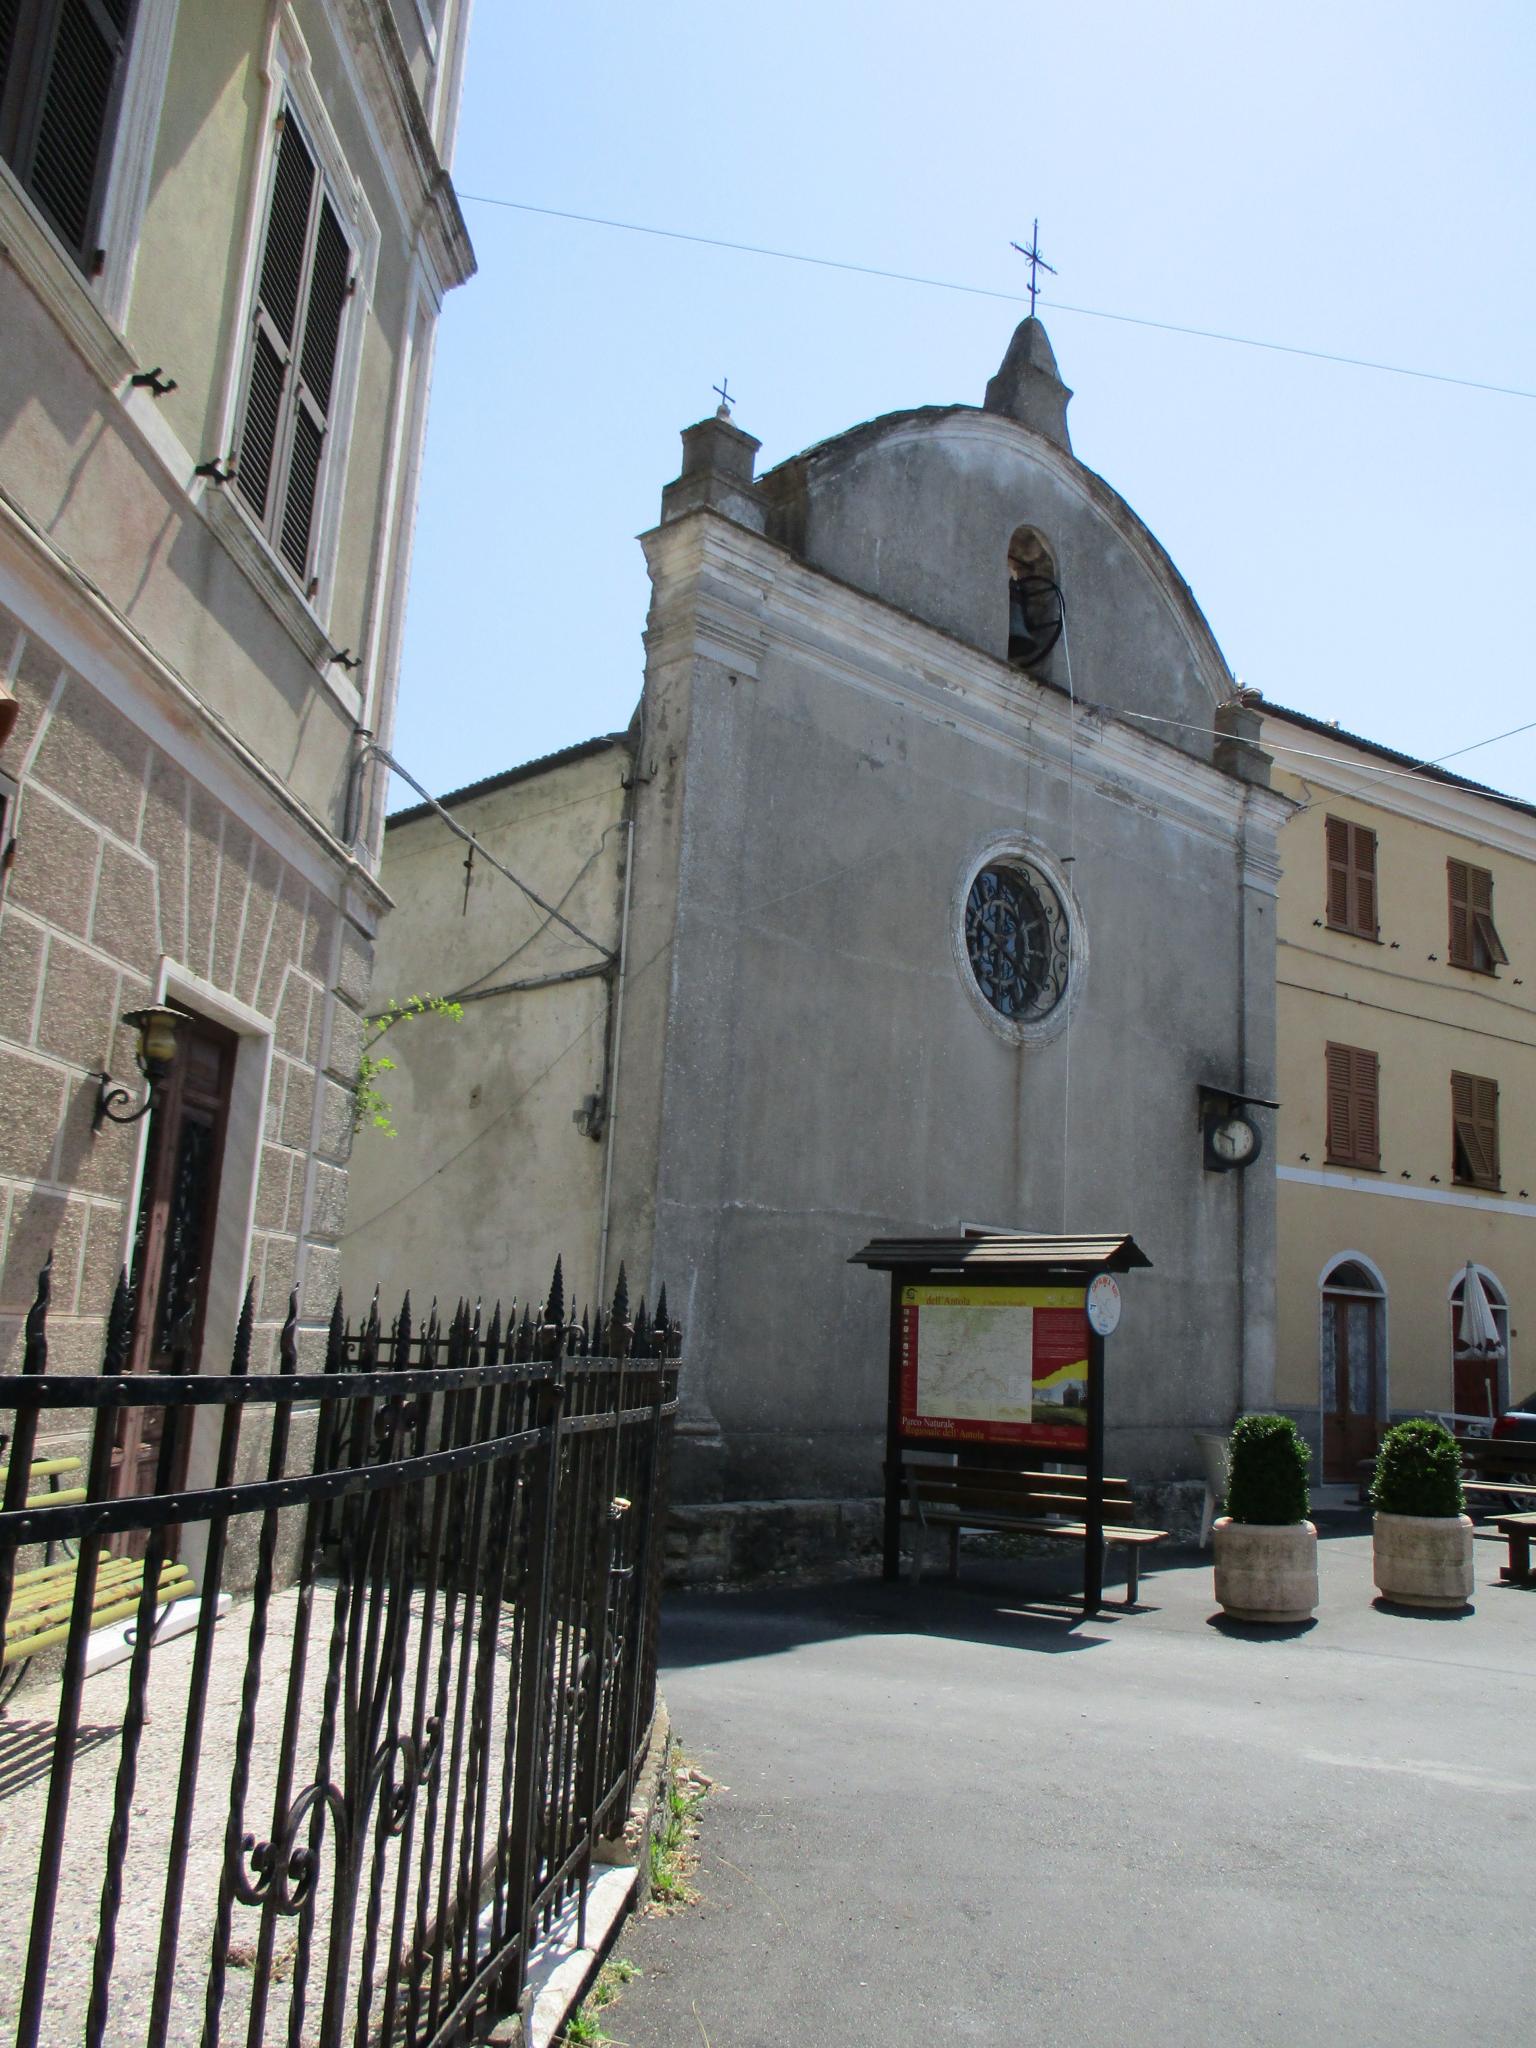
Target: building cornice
{"x": 369, "y": 27}
{"x": 1362, "y": 1184}
{"x": 732, "y": 593}
{"x": 1353, "y": 770}
{"x": 100, "y": 621}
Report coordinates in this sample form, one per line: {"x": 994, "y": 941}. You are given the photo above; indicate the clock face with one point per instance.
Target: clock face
{"x": 1234, "y": 1139}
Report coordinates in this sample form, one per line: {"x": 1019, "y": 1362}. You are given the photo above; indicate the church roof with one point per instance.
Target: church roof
{"x": 524, "y": 772}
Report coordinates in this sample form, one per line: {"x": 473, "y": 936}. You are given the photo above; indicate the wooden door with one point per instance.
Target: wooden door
{"x": 1351, "y": 1364}
{"x": 173, "y": 1239}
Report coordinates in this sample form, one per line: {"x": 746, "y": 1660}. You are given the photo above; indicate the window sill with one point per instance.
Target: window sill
{"x": 1355, "y": 1165}
{"x": 250, "y": 550}
{"x": 52, "y": 273}
{"x": 1348, "y": 931}
{"x": 1481, "y": 1187}
{"x": 1467, "y": 967}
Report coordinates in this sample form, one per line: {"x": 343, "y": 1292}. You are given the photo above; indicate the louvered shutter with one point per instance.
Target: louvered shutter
{"x": 61, "y": 69}
{"x": 1338, "y": 872}
{"x": 1486, "y": 1110}
{"x": 1488, "y": 948}
{"x": 1475, "y": 1127}
{"x": 1354, "y": 1119}
{"x": 1363, "y": 876}
{"x": 324, "y": 305}
{"x": 301, "y": 297}
{"x": 1367, "y": 1112}
{"x": 1458, "y": 879}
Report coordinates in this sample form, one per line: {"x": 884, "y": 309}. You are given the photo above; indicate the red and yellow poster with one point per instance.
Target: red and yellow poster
{"x": 1004, "y": 1365}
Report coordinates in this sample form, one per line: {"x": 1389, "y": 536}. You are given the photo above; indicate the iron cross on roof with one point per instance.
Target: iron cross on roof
{"x": 724, "y": 389}
{"x": 1036, "y": 263}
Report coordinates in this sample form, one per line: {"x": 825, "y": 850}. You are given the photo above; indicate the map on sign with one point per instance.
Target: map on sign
{"x": 995, "y": 1364}
{"x": 974, "y": 1363}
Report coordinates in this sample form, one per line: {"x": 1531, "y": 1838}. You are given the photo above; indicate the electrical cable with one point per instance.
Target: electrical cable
{"x": 979, "y": 291}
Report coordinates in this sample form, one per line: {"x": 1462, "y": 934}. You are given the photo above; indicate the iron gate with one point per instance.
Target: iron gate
{"x": 345, "y": 1813}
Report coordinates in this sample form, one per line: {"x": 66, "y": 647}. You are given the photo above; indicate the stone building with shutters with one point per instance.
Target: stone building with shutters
{"x": 225, "y": 236}
{"x": 1406, "y": 1072}
{"x": 931, "y": 885}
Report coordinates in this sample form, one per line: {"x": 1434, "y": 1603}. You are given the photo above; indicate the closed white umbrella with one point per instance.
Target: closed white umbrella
{"x": 1477, "y": 1331}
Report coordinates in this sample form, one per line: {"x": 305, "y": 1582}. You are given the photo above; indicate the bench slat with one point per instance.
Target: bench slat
{"x": 45, "y": 1620}
{"x": 988, "y": 1501}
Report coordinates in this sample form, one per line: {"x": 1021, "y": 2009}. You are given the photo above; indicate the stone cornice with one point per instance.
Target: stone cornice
{"x": 102, "y": 623}
{"x": 369, "y": 27}
{"x": 732, "y": 593}
{"x": 1349, "y": 771}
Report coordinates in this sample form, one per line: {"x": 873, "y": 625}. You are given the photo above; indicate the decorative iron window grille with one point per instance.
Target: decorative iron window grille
{"x": 1018, "y": 940}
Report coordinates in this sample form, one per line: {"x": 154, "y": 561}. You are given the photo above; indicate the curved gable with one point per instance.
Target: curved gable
{"x": 918, "y": 510}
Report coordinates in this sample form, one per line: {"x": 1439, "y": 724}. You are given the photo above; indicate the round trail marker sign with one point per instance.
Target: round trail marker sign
{"x": 1104, "y": 1304}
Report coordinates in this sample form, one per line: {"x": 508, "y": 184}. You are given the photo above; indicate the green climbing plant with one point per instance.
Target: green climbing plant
{"x": 369, "y": 1104}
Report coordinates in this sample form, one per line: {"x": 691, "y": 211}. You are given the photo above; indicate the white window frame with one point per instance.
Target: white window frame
{"x": 290, "y": 81}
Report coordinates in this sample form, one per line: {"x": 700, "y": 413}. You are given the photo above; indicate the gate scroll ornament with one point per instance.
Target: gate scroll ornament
{"x": 443, "y": 1697}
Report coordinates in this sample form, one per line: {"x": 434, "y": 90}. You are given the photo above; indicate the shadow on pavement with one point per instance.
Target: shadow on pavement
{"x": 1031, "y": 1605}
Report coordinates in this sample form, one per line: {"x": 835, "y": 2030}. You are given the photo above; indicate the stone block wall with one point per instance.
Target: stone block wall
{"x": 123, "y": 860}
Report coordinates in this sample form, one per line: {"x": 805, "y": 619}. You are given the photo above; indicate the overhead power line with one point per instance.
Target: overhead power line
{"x": 980, "y": 291}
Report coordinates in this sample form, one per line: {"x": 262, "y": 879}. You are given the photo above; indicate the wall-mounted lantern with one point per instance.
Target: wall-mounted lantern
{"x": 156, "y": 1055}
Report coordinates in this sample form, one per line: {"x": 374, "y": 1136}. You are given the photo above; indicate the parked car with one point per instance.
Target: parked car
{"x": 1519, "y": 1421}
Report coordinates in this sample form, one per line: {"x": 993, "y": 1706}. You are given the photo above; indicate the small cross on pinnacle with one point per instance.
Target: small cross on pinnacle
{"x": 1036, "y": 263}
{"x": 724, "y": 389}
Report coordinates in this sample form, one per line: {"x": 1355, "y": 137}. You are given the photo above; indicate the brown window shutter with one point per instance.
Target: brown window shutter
{"x": 1459, "y": 886}
{"x": 1475, "y": 1129}
{"x": 1366, "y": 1109}
{"x": 1338, "y": 871}
{"x": 1363, "y": 865}
{"x": 1486, "y": 1109}
{"x": 1487, "y": 946}
{"x": 1354, "y": 1121}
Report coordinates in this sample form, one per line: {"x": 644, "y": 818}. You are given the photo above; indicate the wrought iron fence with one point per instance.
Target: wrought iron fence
{"x": 345, "y": 1812}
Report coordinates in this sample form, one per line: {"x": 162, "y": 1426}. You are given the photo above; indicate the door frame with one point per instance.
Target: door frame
{"x": 1383, "y": 1357}
{"x": 235, "y": 1214}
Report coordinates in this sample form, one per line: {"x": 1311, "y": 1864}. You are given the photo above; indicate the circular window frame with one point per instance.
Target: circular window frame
{"x": 1017, "y": 850}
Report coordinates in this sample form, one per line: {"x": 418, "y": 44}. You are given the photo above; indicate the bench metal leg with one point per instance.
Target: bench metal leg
{"x": 1132, "y": 1573}
{"x": 954, "y": 1551}
{"x": 1518, "y": 1570}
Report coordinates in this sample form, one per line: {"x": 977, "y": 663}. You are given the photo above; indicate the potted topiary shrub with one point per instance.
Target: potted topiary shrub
{"x": 1421, "y": 1540}
{"x": 1266, "y": 1549}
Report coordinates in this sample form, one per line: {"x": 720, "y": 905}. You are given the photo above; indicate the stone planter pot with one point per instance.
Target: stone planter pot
{"x": 1423, "y": 1560}
{"x": 1266, "y": 1571}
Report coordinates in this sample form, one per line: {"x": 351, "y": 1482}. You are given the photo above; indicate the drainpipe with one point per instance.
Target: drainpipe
{"x": 611, "y": 1078}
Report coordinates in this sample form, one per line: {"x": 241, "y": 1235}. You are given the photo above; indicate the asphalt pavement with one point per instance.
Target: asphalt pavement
{"x": 964, "y": 1815}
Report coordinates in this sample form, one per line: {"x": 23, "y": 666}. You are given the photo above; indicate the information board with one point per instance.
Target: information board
{"x": 992, "y": 1364}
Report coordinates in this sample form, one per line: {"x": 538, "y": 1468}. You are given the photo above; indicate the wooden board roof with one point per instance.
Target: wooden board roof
{"x": 1117, "y": 1252}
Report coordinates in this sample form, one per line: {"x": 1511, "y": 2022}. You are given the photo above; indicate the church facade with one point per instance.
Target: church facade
{"x": 931, "y": 886}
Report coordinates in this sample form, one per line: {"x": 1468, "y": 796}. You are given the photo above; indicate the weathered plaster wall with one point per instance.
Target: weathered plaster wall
{"x": 918, "y": 510}
{"x": 490, "y": 1176}
{"x": 826, "y": 775}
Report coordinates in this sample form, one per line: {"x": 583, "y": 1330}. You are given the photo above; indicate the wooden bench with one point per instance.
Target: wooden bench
{"x": 956, "y": 1497}
{"x": 43, "y": 1600}
{"x": 1518, "y": 1530}
{"x": 53, "y": 1470}
{"x": 1487, "y": 1493}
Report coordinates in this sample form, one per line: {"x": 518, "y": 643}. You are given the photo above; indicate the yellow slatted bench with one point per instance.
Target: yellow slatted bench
{"x": 51, "y": 1469}
{"x": 44, "y": 1598}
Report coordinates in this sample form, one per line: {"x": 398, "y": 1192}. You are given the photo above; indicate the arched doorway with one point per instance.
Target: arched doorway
{"x": 1479, "y": 1386}
{"x": 1353, "y": 1362}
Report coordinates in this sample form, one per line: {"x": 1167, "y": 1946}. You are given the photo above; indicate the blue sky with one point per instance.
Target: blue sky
{"x": 1356, "y": 177}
